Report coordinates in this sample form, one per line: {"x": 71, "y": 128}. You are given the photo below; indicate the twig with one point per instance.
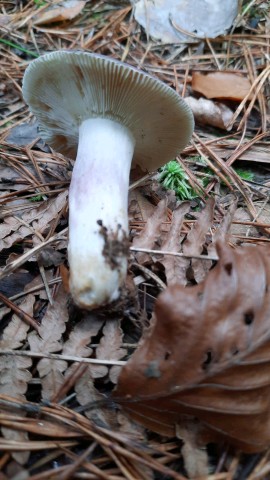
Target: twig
{"x": 55, "y": 356}
{"x": 174, "y": 254}
{"x": 19, "y": 312}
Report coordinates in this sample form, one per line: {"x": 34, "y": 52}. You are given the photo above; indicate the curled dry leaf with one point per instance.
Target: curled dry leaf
{"x": 207, "y": 356}
{"x": 227, "y": 85}
{"x": 208, "y": 112}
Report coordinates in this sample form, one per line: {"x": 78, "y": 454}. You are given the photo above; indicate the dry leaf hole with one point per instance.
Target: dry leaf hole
{"x": 249, "y": 317}
{"x": 208, "y": 360}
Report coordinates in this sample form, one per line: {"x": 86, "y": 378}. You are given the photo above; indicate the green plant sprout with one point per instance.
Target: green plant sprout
{"x": 244, "y": 174}
{"x": 37, "y": 198}
{"x": 40, "y": 3}
{"x": 173, "y": 177}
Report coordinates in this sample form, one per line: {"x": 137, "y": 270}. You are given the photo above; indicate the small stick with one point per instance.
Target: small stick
{"x": 21, "y": 314}
{"x": 54, "y": 356}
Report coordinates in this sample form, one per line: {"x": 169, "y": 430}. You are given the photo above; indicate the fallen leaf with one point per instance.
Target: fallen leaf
{"x": 175, "y": 267}
{"x": 140, "y": 208}
{"x": 87, "y": 394}
{"x": 14, "y": 371}
{"x": 151, "y": 232}
{"x": 207, "y": 355}
{"x": 208, "y": 112}
{"x": 110, "y": 346}
{"x": 49, "y": 340}
{"x": 173, "y": 21}
{"x": 195, "y": 241}
{"x": 241, "y": 230}
{"x": 49, "y": 257}
{"x": 35, "y": 219}
{"x": 222, "y": 230}
{"x": 77, "y": 345}
{"x": 25, "y": 134}
{"x": 225, "y": 85}
{"x": 80, "y": 337}
{"x": 15, "y": 332}
{"x": 15, "y": 283}
{"x": 66, "y": 11}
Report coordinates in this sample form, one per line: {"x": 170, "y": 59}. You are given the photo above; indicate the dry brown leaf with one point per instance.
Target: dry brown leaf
{"x": 196, "y": 237}
{"x": 14, "y": 371}
{"x": 15, "y": 332}
{"x": 86, "y": 394}
{"x": 150, "y": 234}
{"x": 79, "y": 339}
{"x": 15, "y": 283}
{"x": 49, "y": 340}
{"x": 175, "y": 267}
{"x": 49, "y": 257}
{"x": 81, "y": 335}
{"x": 208, "y": 112}
{"x": 242, "y": 230}
{"x": 207, "y": 356}
{"x": 34, "y": 220}
{"x": 222, "y": 231}
{"x": 226, "y": 85}
{"x": 195, "y": 241}
{"x": 110, "y": 346}
{"x": 140, "y": 208}
{"x": 38, "y": 282}
{"x": 67, "y": 11}
{"x": 77, "y": 345}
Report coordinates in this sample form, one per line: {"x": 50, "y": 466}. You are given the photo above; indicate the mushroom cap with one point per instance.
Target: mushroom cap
{"x": 64, "y": 88}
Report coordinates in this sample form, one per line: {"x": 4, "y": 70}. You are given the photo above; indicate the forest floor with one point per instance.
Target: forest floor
{"x": 59, "y": 364}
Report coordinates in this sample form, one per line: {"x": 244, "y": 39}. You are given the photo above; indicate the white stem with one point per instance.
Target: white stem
{"x": 99, "y": 193}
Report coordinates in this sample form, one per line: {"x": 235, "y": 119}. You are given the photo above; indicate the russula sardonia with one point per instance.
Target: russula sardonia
{"x": 106, "y": 114}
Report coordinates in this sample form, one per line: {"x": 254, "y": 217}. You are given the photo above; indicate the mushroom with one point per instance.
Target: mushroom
{"x": 106, "y": 114}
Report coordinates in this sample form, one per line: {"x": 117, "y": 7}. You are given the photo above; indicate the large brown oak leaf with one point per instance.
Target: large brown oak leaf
{"x": 206, "y": 359}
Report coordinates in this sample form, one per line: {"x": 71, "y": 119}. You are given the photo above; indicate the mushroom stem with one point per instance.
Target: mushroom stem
{"x": 98, "y": 219}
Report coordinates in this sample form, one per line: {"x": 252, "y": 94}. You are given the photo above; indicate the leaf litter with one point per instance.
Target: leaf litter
{"x": 224, "y": 384}
{"x": 173, "y": 249}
